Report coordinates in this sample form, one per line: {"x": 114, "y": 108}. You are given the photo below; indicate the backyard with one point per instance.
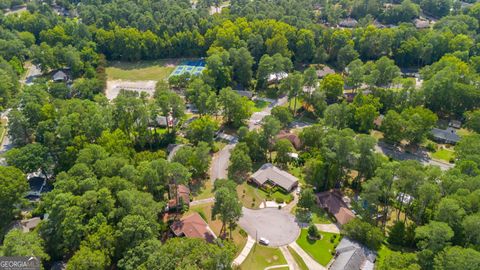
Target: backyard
{"x": 321, "y": 250}
{"x": 141, "y": 71}
{"x": 261, "y": 257}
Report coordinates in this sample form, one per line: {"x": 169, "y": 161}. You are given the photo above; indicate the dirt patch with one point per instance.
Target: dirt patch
{"x": 114, "y": 86}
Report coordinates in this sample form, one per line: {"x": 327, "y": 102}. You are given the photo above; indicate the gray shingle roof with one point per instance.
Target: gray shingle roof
{"x": 59, "y": 76}
{"x": 352, "y": 256}
{"x": 448, "y": 135}
{"x": 268, "y": 172}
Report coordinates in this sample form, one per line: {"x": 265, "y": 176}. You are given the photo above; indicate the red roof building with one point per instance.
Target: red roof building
{"x": 193, "y": 226}
{"x": 332, "y": 202}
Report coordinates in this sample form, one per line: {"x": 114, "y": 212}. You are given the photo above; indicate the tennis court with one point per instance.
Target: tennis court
{"x": 192, "y": 67}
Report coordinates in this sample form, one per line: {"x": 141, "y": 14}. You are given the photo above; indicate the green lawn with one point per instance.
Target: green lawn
{"x": 140, "y": 71}
{"x": 259, "y": 105}
{"x": 319, "y": 216}
{"x": 444, "y": 154}
{"x": 298, "y": 259}
{"x": 249, "y": 196}
{"x": 205, "y": 210}
{"x": 276, "y": 195}
{"x": 291, "y": 103}
{"x": 464, "y": 132}
{"x": 321, "y": 250}
{"x": 261, "y": 257}
{"x": 297, "y": 172}
{"x": 202, "y": 190}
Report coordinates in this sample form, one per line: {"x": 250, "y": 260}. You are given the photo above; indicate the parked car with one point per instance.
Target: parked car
{"x": 264, "y": 241}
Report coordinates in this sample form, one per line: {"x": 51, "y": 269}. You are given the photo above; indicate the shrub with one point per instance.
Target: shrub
{"x": 364, "y": 233}
{"x": 431, "y": 146}
{"x": 279, "y": 200}
{"x": 313, "y": 232}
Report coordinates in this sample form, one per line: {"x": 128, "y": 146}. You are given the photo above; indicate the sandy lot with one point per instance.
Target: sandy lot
{"x": 114, "y": 87}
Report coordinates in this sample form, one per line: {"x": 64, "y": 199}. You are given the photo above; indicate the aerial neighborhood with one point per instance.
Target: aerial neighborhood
{"x": 240, "y": 134}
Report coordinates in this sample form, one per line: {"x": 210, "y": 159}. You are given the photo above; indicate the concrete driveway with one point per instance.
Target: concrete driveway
{"x": 278, "y": 226}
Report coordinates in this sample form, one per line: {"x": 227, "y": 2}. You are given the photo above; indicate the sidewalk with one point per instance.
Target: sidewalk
{"x": 292, "y": 264}
{"x": 330, "y": 228}
{"x": 245, "y": 251}
{"x": 309, "y": 261}
{"x": 202, "y": 201}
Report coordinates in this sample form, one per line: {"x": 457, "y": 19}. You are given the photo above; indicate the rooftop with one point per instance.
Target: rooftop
{"x": 448, "y": 135}
{"x": 351, "y": 255}
{"x": 193, "y": 226}
{"x": 332, "y": 201}
{"x": 268, "y": 172}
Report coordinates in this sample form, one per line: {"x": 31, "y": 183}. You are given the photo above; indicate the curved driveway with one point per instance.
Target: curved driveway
{"x": 278, "y": 226}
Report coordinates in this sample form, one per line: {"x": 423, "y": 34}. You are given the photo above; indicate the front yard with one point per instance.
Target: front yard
{"x": 252, "y": 197}
{"x": 444, "y": 155}
{"x": 318, "y": 215}
{"x": 261, "y": 257}
{"x": 205, "y": 210}
{"x": 202, "y": 190}
{"x": 259, "y": 105}
{"x": 321, "y": 250}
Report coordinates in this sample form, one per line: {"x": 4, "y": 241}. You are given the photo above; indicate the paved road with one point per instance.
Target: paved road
{"x": 278, "y": 226}
{"x": 256, "y": 119}
{"x": 221, "y": 159}
{"x": 202, "y": 201}
{"x": 32, "y": 72}
{"x": 398, "y": 155}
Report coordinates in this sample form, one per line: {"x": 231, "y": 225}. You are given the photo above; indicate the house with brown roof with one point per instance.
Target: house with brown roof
{"x": 293, "y": 138}
{"x": 332, "y": 202}
{"x": 273, "y": 175}
{"x": 324, "y": 71}
{"x": 182, "y": 198}
{"x": 193, "y": 226}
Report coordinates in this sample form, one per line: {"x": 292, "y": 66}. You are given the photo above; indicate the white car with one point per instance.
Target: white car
{"x": 264, "y": 241}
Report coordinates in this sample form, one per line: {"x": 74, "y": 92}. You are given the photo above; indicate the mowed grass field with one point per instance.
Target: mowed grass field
{"x": 141, "y": 71}
{"x": 261, "y": 257}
